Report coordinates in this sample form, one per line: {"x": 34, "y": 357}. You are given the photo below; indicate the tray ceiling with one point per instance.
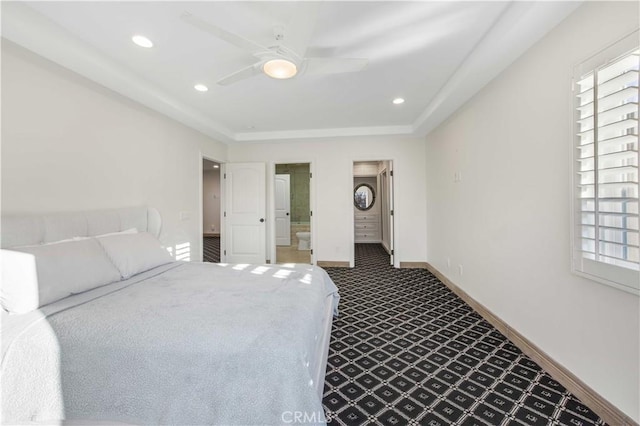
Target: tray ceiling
{"x": 435, "y": 55}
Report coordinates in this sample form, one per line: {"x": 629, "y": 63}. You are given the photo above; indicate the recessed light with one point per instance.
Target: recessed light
{"x": 201, "y": 87}
{"x": 215, "y": 166}
{"x": 142, "y": 41}
{"x": 398, "y": 101}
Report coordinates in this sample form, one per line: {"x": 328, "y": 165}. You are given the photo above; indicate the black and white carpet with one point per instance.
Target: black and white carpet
{"x": 211, "y": 249}
{"x": 405, "y": 350}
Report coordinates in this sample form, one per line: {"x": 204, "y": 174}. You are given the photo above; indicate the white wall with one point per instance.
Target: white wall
{"x": 508, "y": 221}
{"x": 333, "y": 180}
{"x": 70, "y": 144}
{"x": 211, "y": 201}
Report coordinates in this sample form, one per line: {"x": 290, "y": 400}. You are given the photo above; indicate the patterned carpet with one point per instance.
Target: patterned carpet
{"x": 211, "y": 249}
{"x": 407, "y": 351}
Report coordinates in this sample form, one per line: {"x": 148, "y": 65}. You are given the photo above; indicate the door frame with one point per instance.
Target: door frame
{"x": 201, "y": 158}
{"x": 394, "y": 225}
{"x": 271, "y": 208}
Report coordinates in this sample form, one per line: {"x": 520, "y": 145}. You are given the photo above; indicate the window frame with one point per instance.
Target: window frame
{"x": 626, "y": 279}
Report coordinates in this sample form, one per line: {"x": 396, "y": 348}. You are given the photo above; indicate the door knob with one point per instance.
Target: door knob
{"x": 261, "y": 220}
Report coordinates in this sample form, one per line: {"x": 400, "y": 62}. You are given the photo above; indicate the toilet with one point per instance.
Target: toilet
{"x": 304, "y": 240}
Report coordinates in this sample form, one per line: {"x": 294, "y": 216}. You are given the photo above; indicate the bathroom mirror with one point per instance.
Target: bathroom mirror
{"x": 364, "y": 196}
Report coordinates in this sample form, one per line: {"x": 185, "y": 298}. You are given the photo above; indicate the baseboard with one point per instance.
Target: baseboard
{"x": 332, "y": 264}
{"x": 599, "y": 405}
{"x": 211, "y": 234}
{"x": 420, "y": 265}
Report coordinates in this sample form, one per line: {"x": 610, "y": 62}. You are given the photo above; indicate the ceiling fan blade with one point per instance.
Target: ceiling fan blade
{"x": 236, "y": 40}
{"x": 300, "y": 28}
{"x": 242, "y": 74}
{"x": 315, "y": 66}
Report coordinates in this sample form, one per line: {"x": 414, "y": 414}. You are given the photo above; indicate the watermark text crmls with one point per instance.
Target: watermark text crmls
{"x": 305, "y": 417}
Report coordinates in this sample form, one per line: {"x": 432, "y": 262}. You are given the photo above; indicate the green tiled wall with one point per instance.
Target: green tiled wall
{"x": 299, "y": 181}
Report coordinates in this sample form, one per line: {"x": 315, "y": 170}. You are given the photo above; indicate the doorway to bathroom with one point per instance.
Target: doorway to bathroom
{"x": 373, "y": 211}
{"x": 292, "y": 195}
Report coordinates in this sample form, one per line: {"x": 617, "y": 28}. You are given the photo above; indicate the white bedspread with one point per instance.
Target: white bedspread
{"x": 187, "y": 343}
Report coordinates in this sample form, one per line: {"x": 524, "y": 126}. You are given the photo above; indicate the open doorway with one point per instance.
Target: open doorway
{"x": 292, "y": 197}
{"x": 211, "y": 192}
{"x": 373, "y": 211}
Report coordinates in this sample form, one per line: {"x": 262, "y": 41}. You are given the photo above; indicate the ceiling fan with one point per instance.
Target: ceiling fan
{"x": 286, "y": 56}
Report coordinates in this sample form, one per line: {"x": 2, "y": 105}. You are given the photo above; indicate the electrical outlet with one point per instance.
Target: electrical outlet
{"x": 448, "y": 262}
{"x": 213, "y": 227}
{"x": 460, "y": 270}
{"x": 184, "y": 215}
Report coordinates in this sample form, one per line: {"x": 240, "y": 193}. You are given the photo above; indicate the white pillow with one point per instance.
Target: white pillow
{"x": 19, "y": 289}
{"x": 134, "y": 253}
{"x": 39, "y": 275}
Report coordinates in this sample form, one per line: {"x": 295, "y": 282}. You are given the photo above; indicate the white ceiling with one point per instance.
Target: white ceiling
{"x": 434, "y": 54}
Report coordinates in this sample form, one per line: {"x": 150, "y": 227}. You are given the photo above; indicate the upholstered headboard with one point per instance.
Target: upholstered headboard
{"x": 22, "y": 230}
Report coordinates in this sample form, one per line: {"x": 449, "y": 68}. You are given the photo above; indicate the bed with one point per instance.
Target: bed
{"x": 163, "y": 342}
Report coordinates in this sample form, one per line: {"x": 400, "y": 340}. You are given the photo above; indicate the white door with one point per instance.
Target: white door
{"x": 245, "y": 224}
{"x": 391, "y": 211}
{"x": 383, "y": 179}
{"x": 283, "y": 209}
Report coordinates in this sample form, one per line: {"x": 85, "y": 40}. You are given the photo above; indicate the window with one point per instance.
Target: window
{"x": 606, "y": 244}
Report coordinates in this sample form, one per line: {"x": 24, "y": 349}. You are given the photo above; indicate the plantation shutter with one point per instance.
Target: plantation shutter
{"x": 606, "y": 231}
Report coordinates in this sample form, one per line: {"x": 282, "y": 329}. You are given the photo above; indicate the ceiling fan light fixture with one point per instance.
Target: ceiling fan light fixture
{"x": 280, "y": 68}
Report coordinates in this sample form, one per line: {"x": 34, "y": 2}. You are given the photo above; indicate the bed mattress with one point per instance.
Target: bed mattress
{"x": 184, "y": 343}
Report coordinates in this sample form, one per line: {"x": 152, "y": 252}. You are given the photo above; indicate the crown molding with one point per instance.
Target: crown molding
{"x": 282, "y": 135}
